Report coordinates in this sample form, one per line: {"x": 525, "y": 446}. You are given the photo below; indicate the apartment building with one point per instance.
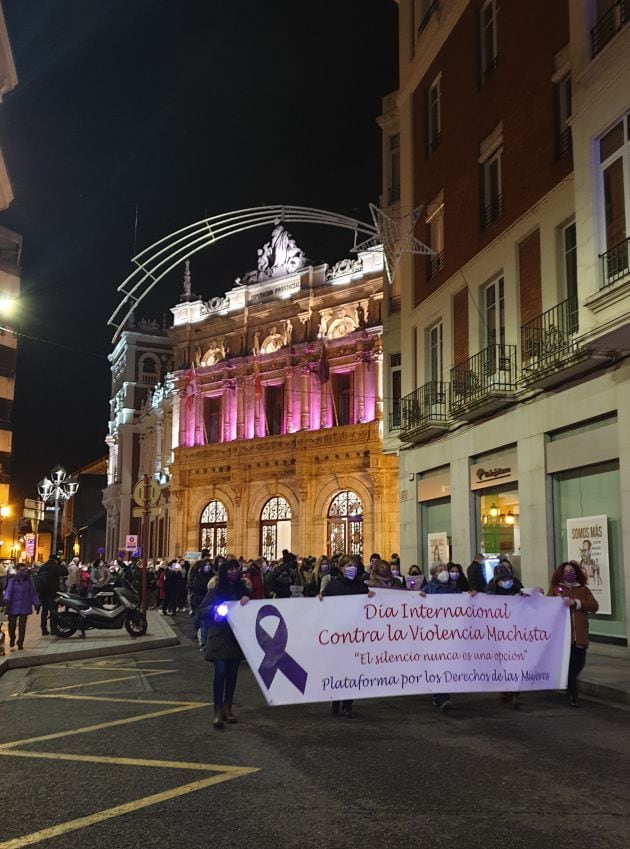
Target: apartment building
{"x": 506, "y": 350}
{"x": 10, "y": 252}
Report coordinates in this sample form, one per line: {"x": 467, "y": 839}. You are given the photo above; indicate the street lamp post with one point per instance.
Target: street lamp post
{"x": 57, "y": 490}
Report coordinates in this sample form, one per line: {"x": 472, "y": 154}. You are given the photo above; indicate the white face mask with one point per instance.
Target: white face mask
{"x": 351, "y": 572}
{"x": 454, "y": 576}
{"x": 442, "y": 577}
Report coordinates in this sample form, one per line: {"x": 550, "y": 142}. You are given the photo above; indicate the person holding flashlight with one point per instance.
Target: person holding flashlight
{"x": 222, "y": 648}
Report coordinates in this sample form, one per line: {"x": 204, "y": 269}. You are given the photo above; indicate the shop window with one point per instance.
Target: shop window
{"x": 345, "y": 524}
{"x": 275, "y": 527}
{"x": 499, "y": 527}
{"x": 213, "y": 529}
{"x": 594, "y": 491}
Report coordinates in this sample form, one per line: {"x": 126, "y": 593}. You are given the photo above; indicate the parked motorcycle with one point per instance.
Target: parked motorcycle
{"x": 83, "y": 614}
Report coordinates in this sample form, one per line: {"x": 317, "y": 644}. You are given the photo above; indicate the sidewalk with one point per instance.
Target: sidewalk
{"x": 39, "y": 649}
{"x": 606, "y": 678}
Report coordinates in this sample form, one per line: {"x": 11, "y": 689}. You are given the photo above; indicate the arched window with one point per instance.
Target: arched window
{"x": 345, "y": 524}
{"x": 149, "y": 370}
{"x": 213, "y": 529}
{"x": 275, "y": 527}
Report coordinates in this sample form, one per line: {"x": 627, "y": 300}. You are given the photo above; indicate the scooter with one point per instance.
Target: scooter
{"x": 82, "y": 614}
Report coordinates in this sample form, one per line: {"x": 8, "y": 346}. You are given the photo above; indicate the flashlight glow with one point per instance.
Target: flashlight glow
{"x": 222, "y": 610}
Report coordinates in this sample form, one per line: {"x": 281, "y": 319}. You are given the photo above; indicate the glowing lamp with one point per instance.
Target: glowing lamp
{"x": 509, "y": 518}
{"x": 494, "y": 510}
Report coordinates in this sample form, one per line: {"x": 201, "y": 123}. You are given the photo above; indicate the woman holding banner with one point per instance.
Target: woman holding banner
{"x": 347, "y": 582}
{"x": 505, "y": 582}
{"x": 441, "y": 583}
{"x": 222, "y": 648}
{"x": 569, "y": 582}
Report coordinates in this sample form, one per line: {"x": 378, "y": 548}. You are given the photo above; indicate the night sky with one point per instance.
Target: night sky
{"x": 184, "y": 109}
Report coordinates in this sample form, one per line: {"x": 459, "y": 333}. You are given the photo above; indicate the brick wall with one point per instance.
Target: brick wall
{"x": 519, "y": 93}
{"x": 460, "y": 326}
{"x": 530, "y": 277}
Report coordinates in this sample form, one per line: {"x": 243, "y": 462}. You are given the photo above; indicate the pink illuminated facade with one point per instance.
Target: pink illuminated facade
{"x": 267, "y": 432}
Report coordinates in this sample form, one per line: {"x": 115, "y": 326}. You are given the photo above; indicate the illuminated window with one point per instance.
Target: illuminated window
{"x": 345, "y": 524}
{"x": 275, "y": 527}
{"x": 213, "y": 529}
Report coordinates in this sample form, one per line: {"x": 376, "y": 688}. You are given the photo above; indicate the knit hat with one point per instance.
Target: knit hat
{"x": 503, "y": 570}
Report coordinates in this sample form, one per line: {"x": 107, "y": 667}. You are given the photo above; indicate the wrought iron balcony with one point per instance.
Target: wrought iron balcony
{"x": 435, "y": 264}
{"x": 550, "y": 351}
{"x": 492, "y": 211}
{"x": 425, "y": 410}
{"x": 609, "y": 25}
{"x": 394, "y": 416}
{"x": 394, "y": 303}
{"x": 615, "y": 262}
{"x": 393, "y": 194}
{"x": 549, "y": 340}
{"x": 565, "y": 143}
{"x": 485, "y": 381}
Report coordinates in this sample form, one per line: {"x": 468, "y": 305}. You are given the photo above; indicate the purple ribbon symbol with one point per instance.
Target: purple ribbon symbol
{"x": 274, "y": 647}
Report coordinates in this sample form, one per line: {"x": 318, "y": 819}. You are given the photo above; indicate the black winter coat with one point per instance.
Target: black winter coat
{"x": 343, "y": 586}
{"x": 221, "y": 644}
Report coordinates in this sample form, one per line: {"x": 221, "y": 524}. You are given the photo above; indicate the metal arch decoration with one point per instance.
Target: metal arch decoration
{"x": 156, "y": 261}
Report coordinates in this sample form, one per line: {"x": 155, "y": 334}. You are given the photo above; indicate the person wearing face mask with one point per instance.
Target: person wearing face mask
{"x": 415, "y": 579}
{"x": 222, "y": 648}
{"x": 569, "y": 582}
{"x": 441, "y": 584}
{"x": 347, "y": 582}
{"x": 505, "y": 582}
{"x": 382, "y": 577}
{"x": 325, "y": 572}
{"x": 456, "y": 573}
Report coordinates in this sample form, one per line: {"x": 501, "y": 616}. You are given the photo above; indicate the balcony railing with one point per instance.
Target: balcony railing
{"x": 393, "y": 194}
{"x": 435, "y": 264}
{"x": 550, "y": 338}
{"x": 615, "y": 263}
{"x": 492, "y": 211}
{"x": 394, "y": 303}
{"x": 609, "y": 25}
{"x": 428, "y": 403}
{"x": 491, "y": 371}
{"x": 565, "y": 143}
{"x": 394, "y": 416}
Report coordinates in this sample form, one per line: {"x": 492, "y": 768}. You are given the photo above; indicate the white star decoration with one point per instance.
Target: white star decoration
{"x": 397, "y": 237}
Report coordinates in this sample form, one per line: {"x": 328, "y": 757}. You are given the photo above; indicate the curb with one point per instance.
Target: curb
{"x": 22, "y": 662}
{"x": 604, "y": 693}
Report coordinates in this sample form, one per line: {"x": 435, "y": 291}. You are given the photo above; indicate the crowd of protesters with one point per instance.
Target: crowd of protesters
{"x": 202, "y": 587}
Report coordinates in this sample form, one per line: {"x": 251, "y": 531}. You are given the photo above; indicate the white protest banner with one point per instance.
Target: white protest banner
{"x": 587, "y": 542}
{"x": 400, "y": 643}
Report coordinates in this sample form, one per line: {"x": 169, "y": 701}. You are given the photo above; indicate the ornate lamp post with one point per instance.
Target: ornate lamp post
{"x": 57, "y": 490}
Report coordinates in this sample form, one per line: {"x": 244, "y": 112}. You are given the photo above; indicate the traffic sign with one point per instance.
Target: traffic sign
{"x": 29, "y": 544}
{"x": 153, "y": 492}
{"x": 131, "y": 542}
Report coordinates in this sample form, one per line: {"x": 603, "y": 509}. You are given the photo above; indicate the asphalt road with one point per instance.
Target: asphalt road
{"x": 130, "y": 759}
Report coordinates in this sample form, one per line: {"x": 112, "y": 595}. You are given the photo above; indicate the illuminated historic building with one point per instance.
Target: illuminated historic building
{"x": 507, "y": 349}
{"x": 267, "y": 432}
{"x": 10, "y": 250}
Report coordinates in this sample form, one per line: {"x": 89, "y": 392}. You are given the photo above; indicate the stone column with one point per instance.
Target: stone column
{"x": 305, "y": 400}
{"x": 359, "y": 378}
{"x": 240, "y": 411}
{"x": 378, "y": 362}
{"x": 324, "y": 390}
{"x": 288, "y": 400}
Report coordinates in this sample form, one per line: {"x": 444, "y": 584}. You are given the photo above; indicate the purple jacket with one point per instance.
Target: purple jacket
{"x": 21, "y": 595}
